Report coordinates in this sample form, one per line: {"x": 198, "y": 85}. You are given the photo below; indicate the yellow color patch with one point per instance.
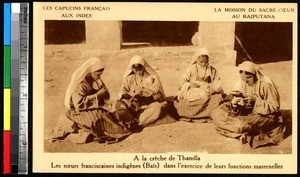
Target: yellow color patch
{"x": 6, "y": 109}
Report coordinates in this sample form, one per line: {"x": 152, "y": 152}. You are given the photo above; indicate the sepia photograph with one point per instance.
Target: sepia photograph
{"x": 160, "y": 87}
{"x": 142, "y": 92}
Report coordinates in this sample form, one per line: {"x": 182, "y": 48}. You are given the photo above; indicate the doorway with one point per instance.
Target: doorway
{"x": 64, "y": 32}
{"x": 264, "y": 41}
{"x": 158, "y": 33}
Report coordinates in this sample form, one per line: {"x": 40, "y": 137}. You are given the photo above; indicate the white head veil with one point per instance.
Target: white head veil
{"x": 139, "y": 60}
{"x": 89, "y": 66}
{"x": 199, "y": 52}
{"x": 253, "y": 69}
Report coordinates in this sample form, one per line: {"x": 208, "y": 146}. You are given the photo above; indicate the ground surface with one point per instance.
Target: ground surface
{"x": 170, "y": 62}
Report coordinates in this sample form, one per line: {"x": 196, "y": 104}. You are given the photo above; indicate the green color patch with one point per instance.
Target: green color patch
{"x": 7, "y": 67}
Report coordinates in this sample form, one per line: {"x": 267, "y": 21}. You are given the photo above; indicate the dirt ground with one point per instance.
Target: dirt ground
{"x": 170, "y": 62}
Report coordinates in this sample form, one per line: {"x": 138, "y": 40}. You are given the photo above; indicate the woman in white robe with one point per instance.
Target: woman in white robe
{"x": 200, "y": 89}
{"x": 253, "y": 115}
{"x": 87, "y": 116}
{"x": 142, "y": 96}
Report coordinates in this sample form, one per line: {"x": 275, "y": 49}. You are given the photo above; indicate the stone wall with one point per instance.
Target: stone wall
{"x": 217, "y": 35}
{"x": 218, "y": 38}
{"x": 103, "y": 35}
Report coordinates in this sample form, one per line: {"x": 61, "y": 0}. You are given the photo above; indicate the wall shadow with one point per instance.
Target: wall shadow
{"x": 159, "y": 33}
{"x": 169, "y": 114}
{"x": 287, "y": 119}
{"x": 64, "y": 31}
{"x": 265, "y": 41}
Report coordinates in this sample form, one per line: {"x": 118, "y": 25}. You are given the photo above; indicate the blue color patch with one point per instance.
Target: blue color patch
{"x": 7, "y": 16}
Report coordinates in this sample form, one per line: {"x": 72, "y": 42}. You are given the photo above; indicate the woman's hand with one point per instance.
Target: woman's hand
{"x": 198, "y": 84}
{"x": 146, "y": 92}
{"x": 209, "y": 90}
{"x": 250, "y": 98}
{"x": 237, "y": 101}
{"x": 194, "y": 85}
{"x": 101, "y": 92}
{"x": 126, "y": 96}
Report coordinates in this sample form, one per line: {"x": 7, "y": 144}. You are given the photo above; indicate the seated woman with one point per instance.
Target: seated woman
{"x": 141, "y": 97}
{"x": 200, "y": 89}
{"x": 253, "y": 115}
{"x": 86, "y": 99}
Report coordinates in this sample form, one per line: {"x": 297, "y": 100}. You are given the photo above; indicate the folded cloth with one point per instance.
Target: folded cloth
{"x": 193, "y": 94}
{"x": 79, "y": 138}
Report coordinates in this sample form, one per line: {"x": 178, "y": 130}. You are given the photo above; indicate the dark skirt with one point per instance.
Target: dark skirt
{"x": 99, "y": 123}
{"x": 260, "y": 129}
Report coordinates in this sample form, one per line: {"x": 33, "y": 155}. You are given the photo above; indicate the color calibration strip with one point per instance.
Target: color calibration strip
{"x": 7, "y": 89}
{"x": 15, "y": 156}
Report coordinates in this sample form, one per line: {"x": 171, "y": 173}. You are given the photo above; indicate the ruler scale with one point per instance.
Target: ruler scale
{"x": 23, "y": 101}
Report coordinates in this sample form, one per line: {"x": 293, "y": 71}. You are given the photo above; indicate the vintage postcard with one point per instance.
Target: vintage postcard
{"x": 165, "y": 87}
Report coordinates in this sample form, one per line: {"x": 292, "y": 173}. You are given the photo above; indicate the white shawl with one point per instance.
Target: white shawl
{"x": 89, "y": 66}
